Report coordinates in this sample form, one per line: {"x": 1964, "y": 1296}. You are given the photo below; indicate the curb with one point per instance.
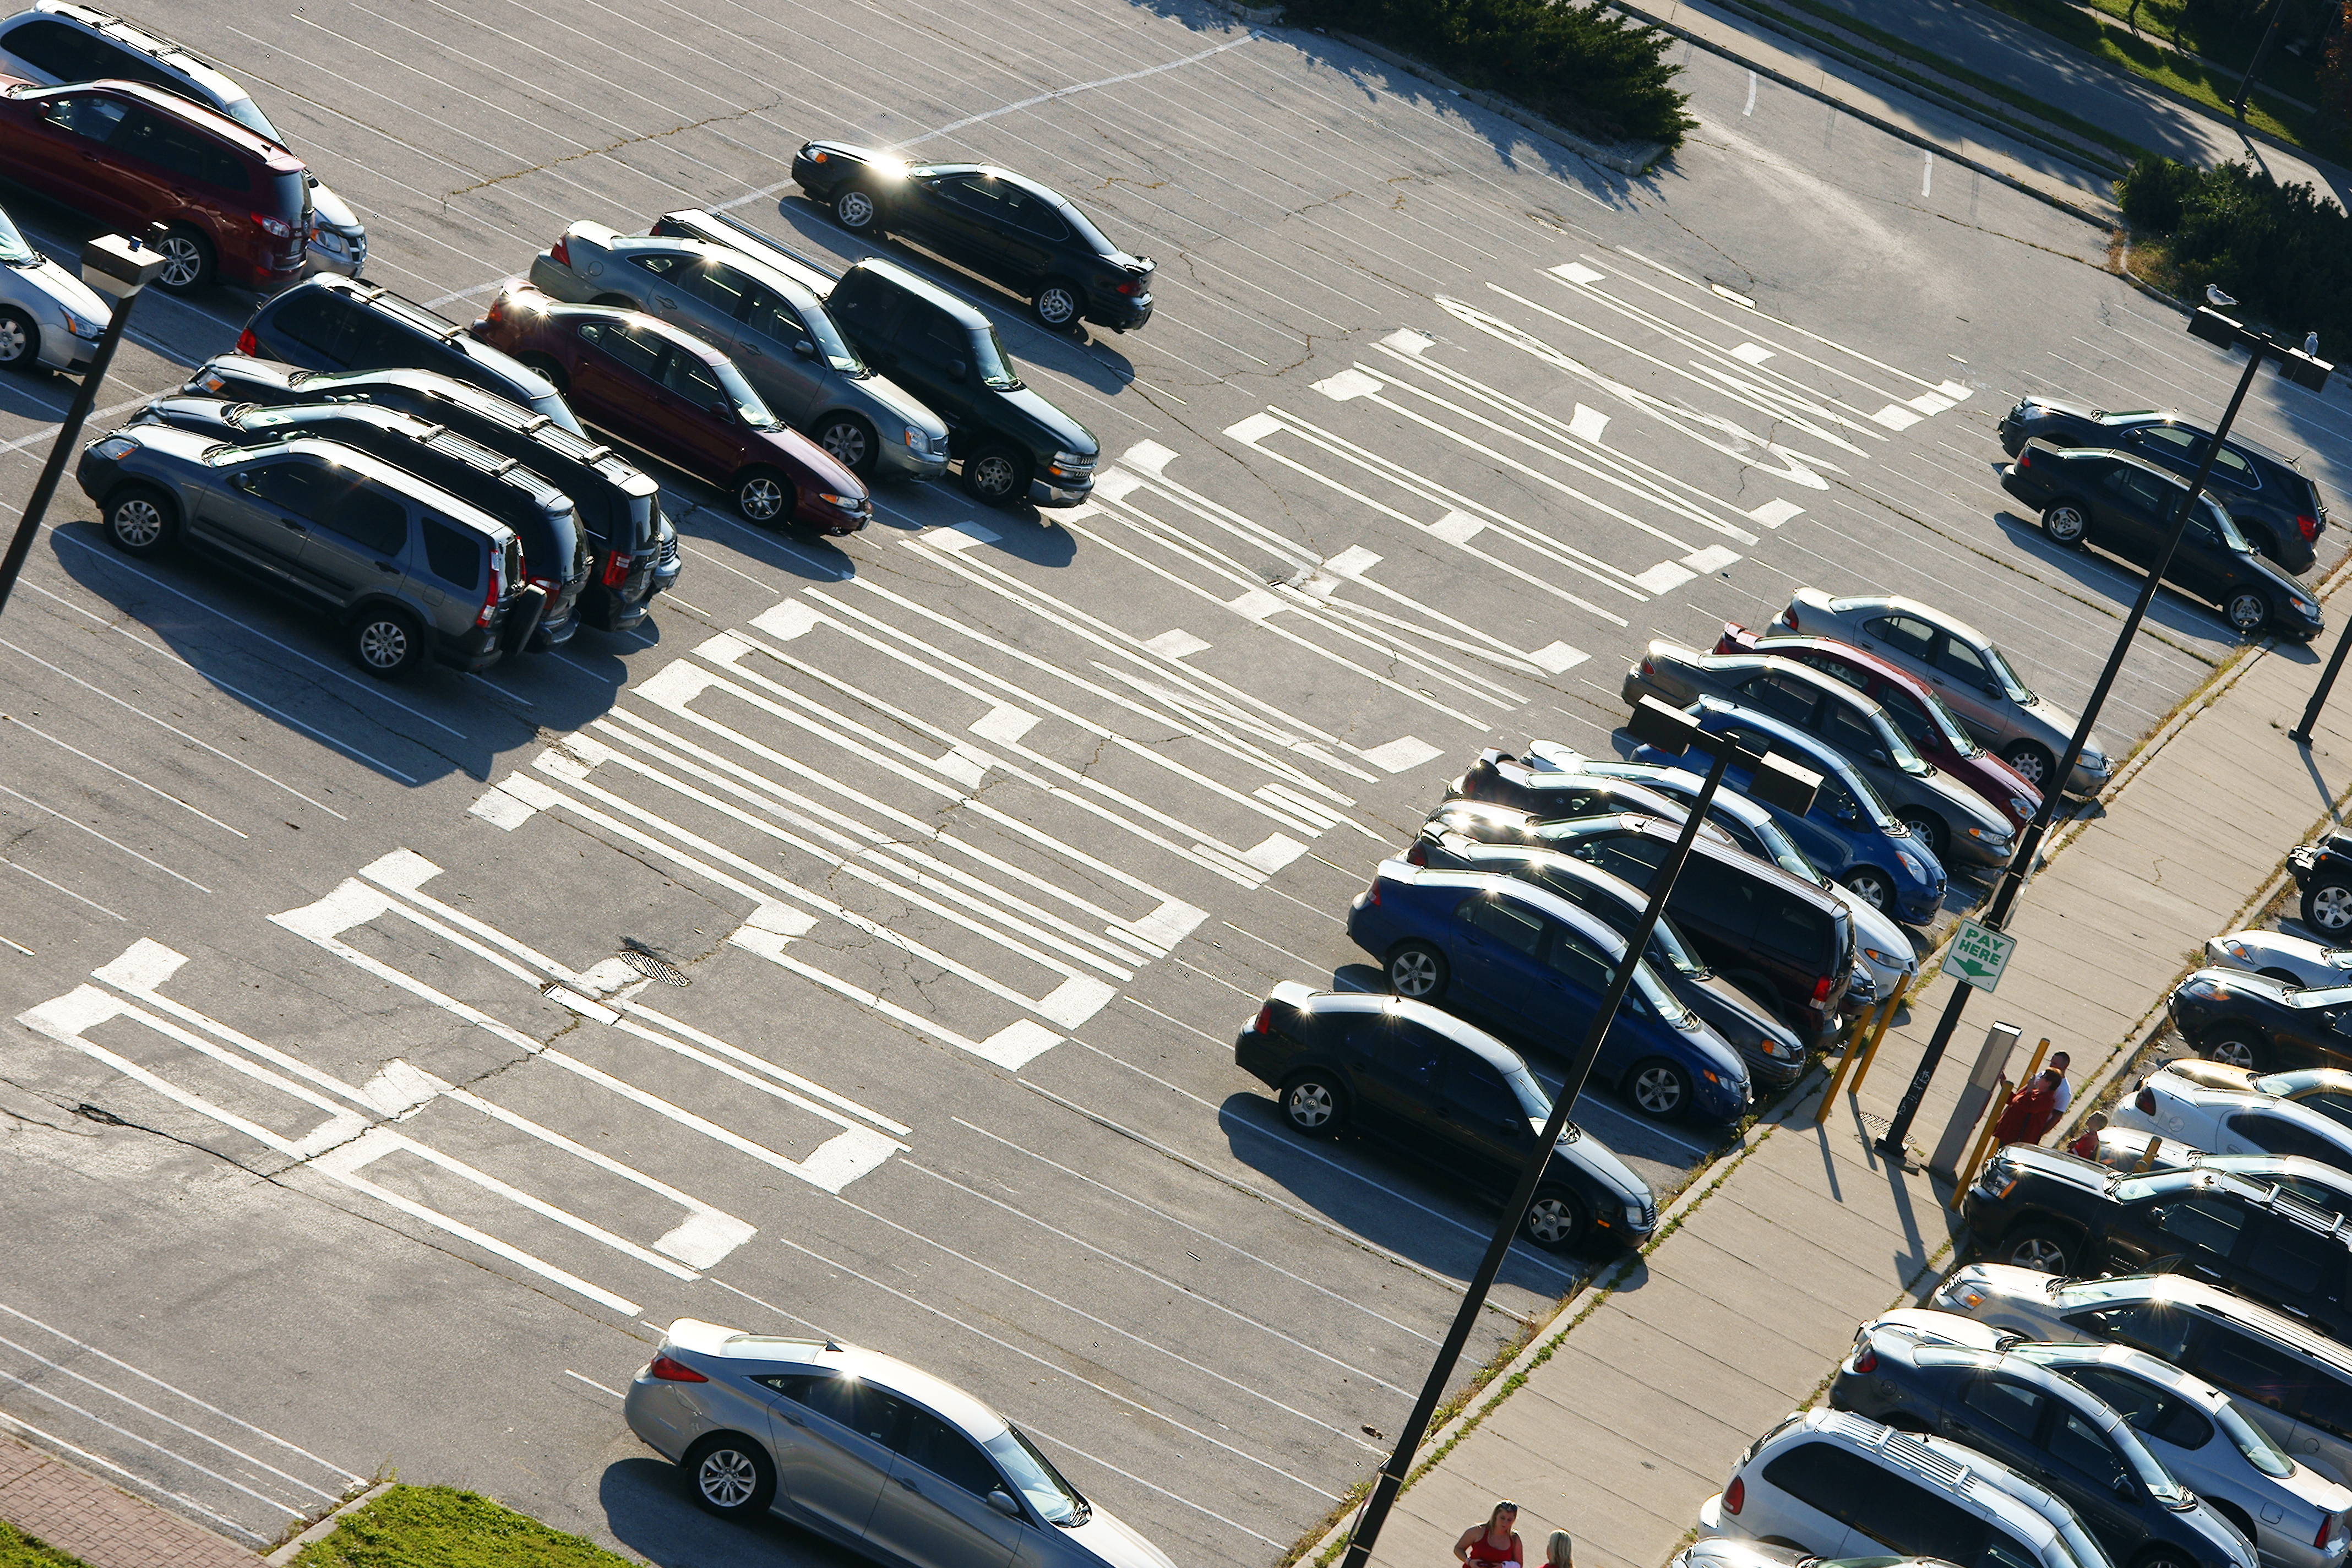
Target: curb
{"x": 325, "y": 1527}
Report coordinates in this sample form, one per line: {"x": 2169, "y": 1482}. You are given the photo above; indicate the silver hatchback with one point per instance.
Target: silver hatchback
{"x": 863, "y": 1448}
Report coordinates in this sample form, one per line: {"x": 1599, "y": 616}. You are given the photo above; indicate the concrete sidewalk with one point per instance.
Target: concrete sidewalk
{"x": 1650, "y": 1394}
{"x": 82, "y": 1517}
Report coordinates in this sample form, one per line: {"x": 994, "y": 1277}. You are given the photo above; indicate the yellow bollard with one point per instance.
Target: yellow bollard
{"x": 1845, "y": 1061}
{"x": 1870, "y": 1052}
{"x": 1979, "y": 1149}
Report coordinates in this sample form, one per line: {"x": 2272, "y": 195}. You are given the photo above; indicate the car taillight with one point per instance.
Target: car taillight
{"x": 2025, "y": 457}
{"x": 2329, "y": 1524}
{"x": 1264, "y": 1023}
{"x": 498, "y": 310}
{"x": 483, "y": 616}
{"x": 1418, "y": 855}
{"x": 1866, "y": 1360}
{"x": 1788, "y": 617}
{"x": 247, "y": 344}
{"x": 559, "y": 253}
{"x": 1648, "y": 666}
{"x": 669, "y": 1371}
{"x": 617, "y": 569}
{"x": 276, "y": 227}
{"x": 1820, "y": 989}
{"x": 1735, "y": 1496}
{"x": 1372, "y": 893}
{"x": 2146, "y": 1100}
{"x": 2306, "y": 525}
{"x": 1132, "y": 286}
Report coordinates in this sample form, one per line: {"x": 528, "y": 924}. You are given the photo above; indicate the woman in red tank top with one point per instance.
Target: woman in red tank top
{"x": 1495, "y": 1544}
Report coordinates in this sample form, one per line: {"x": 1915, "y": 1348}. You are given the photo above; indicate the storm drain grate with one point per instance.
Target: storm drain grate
{"x": 653, "y": 966}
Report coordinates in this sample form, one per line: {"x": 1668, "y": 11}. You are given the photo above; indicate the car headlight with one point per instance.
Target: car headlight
{"x": 80, "y": 328}
{"x": 1990, "y": 835}
{"x": 1911, "y": 865}
{"x": 917, "y": 440}
{"x": 2094, "y": 759}
{"x": 2198, "y": 987}
{"x": 2308, "y": 606}
{"x": 115, "y": 448}
{"x": 1886, "y": 960}
{"x": 1778, "y": 1049}
{"x": 212, "y": 380}
{"x": 2017, "y": 804}
{"x": 2236, "y": 950}
{"x": 1968, "y": 1298}
{"x": 845, "y": 504}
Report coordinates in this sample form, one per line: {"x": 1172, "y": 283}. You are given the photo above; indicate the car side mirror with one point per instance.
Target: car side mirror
{"x": 720, "y": 411}
{"x": 2126, "y": 1491}
{"x": 1513, "y": 1126}
{"x": 1878, "y": 758}
{"x": 1002, "y": 1501}
{"x": 805, "y": 349}
{"x": 958, "y": 369}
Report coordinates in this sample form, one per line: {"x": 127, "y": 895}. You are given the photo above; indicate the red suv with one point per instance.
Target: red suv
{"x": 670, "y": 393}
{"x": 234, "y": 205}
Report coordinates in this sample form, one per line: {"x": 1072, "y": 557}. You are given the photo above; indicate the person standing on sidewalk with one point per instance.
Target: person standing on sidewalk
{"x": 1494, "y": 1543}
{"x": 1560, "y": 1552}
{"x": 2030, "y": 1111}
{"x": 2062, "y": 1094}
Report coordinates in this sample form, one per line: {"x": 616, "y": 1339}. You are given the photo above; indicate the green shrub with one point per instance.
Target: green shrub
{"x": 441, "y": 1526}
{"x": 2281, "y": 251}
{"x": 18, "y": 1551}
{"x": 1589, "y": 67}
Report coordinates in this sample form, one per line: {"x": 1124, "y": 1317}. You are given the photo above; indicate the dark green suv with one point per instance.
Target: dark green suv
{"x": 1014, "y": 445}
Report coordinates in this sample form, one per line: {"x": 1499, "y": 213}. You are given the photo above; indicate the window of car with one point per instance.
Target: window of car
{"x": 1906, "y": 635}
{"x": 1905, "y": 1517}
{"x": 1035, "y": 1477}
{"x": 454, "y": 554}
{"x": 1823, "y": 1476}
{"x": 2083, "y": 1447}
{"x": 87, "y": 115}
{"x": 1407, "y": 1053}
{"x": 631, "y": 348}
{"x": 378, "y": 341}
{"x": 2188, "y": 447}
{"x": 989, "y": 361}
{"x": 2006, "y": 1403}
{"x": 2167, "y": 1417}
{"x": 1725, "y": 897}
{"x": 1516, "y": 926}
{"x": 948, "y": 1454}
{"x": 61, "y": 50}
{"x": 718, "y": 286}
{"x": 1038, "y": 216}
{"x": 2291, "y": 1262}
{"x": 1782, "y": 696}
{"x": 2326, "y": 1403}
{"x": 1477, "y": 1093}
{"x": 976, "y": 194}
{"x": 1634, "y": 856}
{"x": 297, "y": 485}
{"x": 1835, "y": 669}
{"x": 1574, "y": 958}
{"x": 687, "y": 374}
{"x": 669, "y": 264}
{"x": 851, "y": 1402}
{"x": 1792, "y": 927}
{"x": 770, "y": 314}
{"x": 1859, "y": 731}
{"x": 2159, "y": 1328}
{"x": 314, "y": 318}
{"x": 369, "y": 518}
{"x": 2203, "y": 1223}
{"x": 1958, "y": 660}
{"x": 2276, "y": 1134}
{"x": 2251, "y": 1368}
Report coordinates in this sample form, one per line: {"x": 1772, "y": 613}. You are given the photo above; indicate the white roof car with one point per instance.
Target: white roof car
{"x": 49, "y": 317}
{"x": 2296, "y": 960}
{"x": 2231, "y": 1120}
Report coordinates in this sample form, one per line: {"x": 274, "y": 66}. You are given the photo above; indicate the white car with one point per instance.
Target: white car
{"x": 2296, "y": 960}
{"x": 2232, "y": 1120}
{"x": 49, "y": 317}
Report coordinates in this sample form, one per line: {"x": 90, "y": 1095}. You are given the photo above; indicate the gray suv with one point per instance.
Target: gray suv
{"x": 775, "y": 329}
{"x": 410, "y": 571}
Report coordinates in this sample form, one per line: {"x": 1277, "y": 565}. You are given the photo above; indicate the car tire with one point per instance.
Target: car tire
{"x": 1059, "y": 303}
{"x": 731, "y": 1476}
{"x": 2032, "y": 762}
{"x": 2043, "y": 1248}
{"x": 764, "y": 498}
{"x": 20, "y": 342}
{"x": 1658, "y": 1089}
{"x": 850, "y": 440}
{"x": 187, "y": 258}
{"x": 2247, "y": 611}
{"x": 1930, "y": 828}
{"x": 1416, "y": 972}
{"x": 1313, "y": 1106}
{"x": 2063, "y": 522}
{"x": 2231, "y": 1048}
{"x": 998, "y": 474}
{"x": 858, "y": 210}
{"x": 141, "y": 520}
{"x": 546, "y": 369}
{"x": 1873, "y": 886}
{"x": 387, "y": 643}
{"x": 1556, "y": 1221}
{"x": 2328, "y": 906}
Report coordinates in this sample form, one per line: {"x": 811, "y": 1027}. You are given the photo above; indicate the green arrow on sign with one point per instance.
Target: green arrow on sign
{"x": 1974, "y": 969}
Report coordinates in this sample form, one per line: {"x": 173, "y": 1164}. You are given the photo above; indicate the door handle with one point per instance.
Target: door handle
{"x": 386, "y": 566}
{"x": 665, "y": 302}
{"x": 909, "y": 1482}
{"x": 788, "y": 1416}
{"x": 289, "y": 523}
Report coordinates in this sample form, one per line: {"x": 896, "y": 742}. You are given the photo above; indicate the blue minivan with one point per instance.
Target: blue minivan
{"x": 1530, "y": 964}
{"x": 1850, "y": 834}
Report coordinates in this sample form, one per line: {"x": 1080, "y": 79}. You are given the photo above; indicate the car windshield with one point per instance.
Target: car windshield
{"x": 2147, "y": 1467}
{"x": 1666, "y": 940}
{"x": 1533, "y": 1103}
{"x": 1898, "y": 746}
{"x": 988, "y": 363}
{"x": 13, "y": 249}
{"x": 246, "y": 113}
{"x": 748, "y": 407}
{"x": 1083, "y": 227}
{"x": 2079, "y": 1544}
{"x": 1035, "y": 1474}
{"x": 830, "y": 344}
{"x": 2332, "y": 996}
{"x": 2018, "y": 690}
{"x": 2219, "y": 516}
{"x": 2311, "y": 1080}
{"x": 2257, "y": 1448}
{"x": 1956, "y": 734}
{"x": 1873, "y": 808}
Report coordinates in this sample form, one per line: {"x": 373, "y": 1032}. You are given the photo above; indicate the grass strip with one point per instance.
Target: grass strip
{"x": 18, "y": 1550}
{"x": 441, "y": 1526}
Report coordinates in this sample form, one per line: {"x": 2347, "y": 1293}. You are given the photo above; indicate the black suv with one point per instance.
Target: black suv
{"x": 2278, "y": 508}
{"x": 1444, "y": 1093}
{"x": 2323, "y": 870}
{"x": 2041, "y": 1208}
{"x": 337, "y": 323}
{"x": 2125, "y": 505}
{"x": 632, "y": 545}
{"x": 554, "y": 556}
{"x": 1014, "y": 445}
{"x": 1013, "y": 231}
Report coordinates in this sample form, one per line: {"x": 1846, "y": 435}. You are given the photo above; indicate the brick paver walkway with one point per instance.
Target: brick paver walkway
{"x": 83, "y": 1516}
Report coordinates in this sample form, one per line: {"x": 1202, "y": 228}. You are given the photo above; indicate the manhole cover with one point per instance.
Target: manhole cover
{"x": 653, "y": 966}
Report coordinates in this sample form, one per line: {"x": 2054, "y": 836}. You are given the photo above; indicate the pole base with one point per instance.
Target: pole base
{"x": 2298, "y": 737}
{"x": 1899, "y": 1152}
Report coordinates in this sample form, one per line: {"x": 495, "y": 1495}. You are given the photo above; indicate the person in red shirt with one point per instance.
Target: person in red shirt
{"x": 1495, "y": 1543}
{"x": 2032, "y": 1111}
{"x": 2087, "y": 1145}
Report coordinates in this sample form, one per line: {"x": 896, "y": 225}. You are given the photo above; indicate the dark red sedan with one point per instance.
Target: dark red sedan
{"x": 1934, "y": 730}
{"x": 678, "y": 399}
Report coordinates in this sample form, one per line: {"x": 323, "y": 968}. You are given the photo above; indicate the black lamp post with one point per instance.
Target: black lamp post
{"x": 112, "y": 265}
{"x": 1791, "y": 788}
{"x": 2304, "y": 371}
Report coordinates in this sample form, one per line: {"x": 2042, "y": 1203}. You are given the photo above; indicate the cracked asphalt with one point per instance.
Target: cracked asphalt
{"x": 337, "y": 1130}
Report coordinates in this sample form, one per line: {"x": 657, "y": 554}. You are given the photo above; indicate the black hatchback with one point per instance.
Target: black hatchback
{"x": 1008, "y": 229}
{"x": 2276, "y": 506}
{"x": 2125, "y": 504}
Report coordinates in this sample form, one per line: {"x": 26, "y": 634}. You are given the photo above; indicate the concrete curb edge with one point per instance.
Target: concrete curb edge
{"x": 325, "y": 1527}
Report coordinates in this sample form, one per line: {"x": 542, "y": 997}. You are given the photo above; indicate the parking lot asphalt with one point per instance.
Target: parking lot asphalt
{"x": 858, "y": 949}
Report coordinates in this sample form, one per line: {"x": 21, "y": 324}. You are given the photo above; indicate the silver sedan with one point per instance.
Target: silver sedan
{"x": 49, "y": 317}
{"x": 2024, "y": 728}
{"x": 868, "y": 1451}
{"x": 1726, "y": 1552}
{"x": 2296, "y": 960}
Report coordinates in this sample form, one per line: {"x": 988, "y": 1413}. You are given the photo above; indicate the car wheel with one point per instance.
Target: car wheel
{"x": 1658, "y": 1089}
{"x": 1556, "y": 1221}
{"x": 1929, "y": 828}
{"x": 2041, "y": 1248}
{"x": 387, "y": 643}
{"x": 997, "y": 475}
{"x": 2063, "y": 522}
{"x": 546, "y": 370}
{"x": 20, "y": 342}
{"x": 2230, "y": 1047}
{"x": 2328, "y": 906}
{"x": 141, "y": 521}
{"x": 849, "y": 441}
{"x": 2032, "y": 762}
{"x": 1871, "y": 886}
{"x": 765, "y": 497}
{"x": 2246, "y": 611}
{"x": 187, "y": 260}
{"x": 857, "y": 210}
{"x": 1058, "y": 304}
{"x": 733, "y": 1477}
{"x": 1314, "y": 1105}
{"x": 1417, "y": 971}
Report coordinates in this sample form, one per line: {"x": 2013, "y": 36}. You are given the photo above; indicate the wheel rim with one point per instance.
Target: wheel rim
{"x": 1658, "y": 1090}
{"x": 2247, "y": 611}
{"x": 1310, "y": 1105}
{"x": 384, "y": 645}
{"x": 2331, "y": 907}
{"x": 1869, "y": 890}
{"x": 727, "y": 1478}
{"x": 138, "y": 522}
{"x": 761, "y": 498}
{"x": 1922, "y": 827}
{"x": 845, "y": 443}
{"x": 2064, "y": 523}
{"x": 1414, "y": 974}
{"x": 184, "y": 261}
{"x": 2233, "y": 1053}
{"x": 2027, "y": 766}
{"x": 993, "y": 477}
{"x": 14, "y": 339}
{"x": 855, "y": 209}
{"x": 2039, "y": 1254}
{"x": 1551, "y": 1219}
{"x": 1055, "y": 307}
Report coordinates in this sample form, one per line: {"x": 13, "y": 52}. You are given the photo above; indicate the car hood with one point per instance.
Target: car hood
{"x": 331, "y": 211}
{"x": 1944, "y": 1328}
{"x": 242, "y": 368}
{"x": 2212, "y": 1075}
{"x": 1058, "y": 426}
{"x": 824, "y": 470}
{"x": 1752, "y": 1017}
{"x": 1600, "y": 1161}
{"x": 1965, "y": 804}
{"x": 1876, "y": 927}
{"x": 205, "y": 416}
{"x": 2038, "y": 405}
{"x": 901, "y": 403}
{"x": 70, "y": 292}
{"x": 1111, "y": 1540}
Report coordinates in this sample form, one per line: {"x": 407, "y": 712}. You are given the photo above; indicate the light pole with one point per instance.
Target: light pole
{"x": 2254, "y": 66}
{"x": 115, "y": 266}
{"x": 2304, "y": 371}
{"x": 1791, "y": 788}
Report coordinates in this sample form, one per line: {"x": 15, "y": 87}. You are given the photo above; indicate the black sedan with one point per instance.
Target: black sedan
{"x": 2125, "y": 504}
{"x": 1010, "y": 231}
{"x": 2275, "y": 506}
{"x": 2269, "y": 1026}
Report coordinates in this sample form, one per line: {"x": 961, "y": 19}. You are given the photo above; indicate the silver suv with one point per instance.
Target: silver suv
{"x": 58, "y": 41}
{"x": 775, "y": 329}
{"x": 410, "y": 572}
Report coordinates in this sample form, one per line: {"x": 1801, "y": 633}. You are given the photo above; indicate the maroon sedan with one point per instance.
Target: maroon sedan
{"x": 670, "y": 393}
{"x": 1934, "y": 730}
